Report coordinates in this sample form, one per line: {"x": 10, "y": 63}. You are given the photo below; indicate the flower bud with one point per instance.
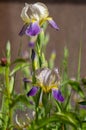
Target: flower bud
{"x": 33, "y": 55}
{"x": 3, "y": 61}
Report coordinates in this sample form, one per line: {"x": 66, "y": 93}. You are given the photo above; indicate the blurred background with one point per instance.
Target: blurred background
{"x": 70, "y": 15}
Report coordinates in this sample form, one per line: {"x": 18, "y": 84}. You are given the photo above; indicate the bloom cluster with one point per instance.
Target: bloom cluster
{"x": 34, "y": 16}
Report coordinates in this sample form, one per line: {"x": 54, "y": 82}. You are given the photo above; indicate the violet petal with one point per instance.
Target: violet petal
{"x": 33, "y": 29}
{"x": 32, "y": 92}
{"x": 53, "y": 24}
{"x": 57, "y": 95}
{"x": 27, "y": 80}
{"x": 22, "y": 32}
{"x": 31, "y": 44}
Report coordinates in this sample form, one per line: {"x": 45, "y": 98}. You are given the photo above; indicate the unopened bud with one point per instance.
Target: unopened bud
{"x": 3, "y": 61}
{"x": 33, "y": 55}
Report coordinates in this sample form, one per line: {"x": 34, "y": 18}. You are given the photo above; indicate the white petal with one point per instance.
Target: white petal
{"x": 37, "y": 11}
{"x": 41, "y": 74}
{"x": 56, "y": 70}
{"x": 24, "y": 15}
{"x": 40, "y": 9}
{"x": 47, "y": 78}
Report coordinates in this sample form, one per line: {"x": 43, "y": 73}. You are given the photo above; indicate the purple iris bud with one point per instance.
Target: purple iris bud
{"x": 3, "y": 61}
{"x": 53, "y": 24}
{"x": 32, "y": 92}
{"x": 31, "y": 102}
{"x": 26, "y": 80}
{"x": 33, "y": 55}
{"x": 33, "y": 29}
{"x": 83, "y": 106}
{"x": 22, "y": 32}
{"x": 31, "y": 44}
{"x": 57, "y": 95}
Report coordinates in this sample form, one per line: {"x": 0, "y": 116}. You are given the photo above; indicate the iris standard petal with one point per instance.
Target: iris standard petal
{"x": 53, "y": 24}
{"x": 32, "y": 92}
{"x": 57, "y": 95}
{"x": 22, "y": 32}
{"x": 33, "y": 29}
{"x": 39, "y": 9}
{"x": 24, "y": 14}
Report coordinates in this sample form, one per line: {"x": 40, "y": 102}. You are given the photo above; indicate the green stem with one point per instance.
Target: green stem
{"x": 33, "y": 77}
{"x": 7, "y": 81}
{"x": 79, "y": 59}
{"x": 5, "y": 112}
{"x": 7, "y": 116}
{"x": 38, "y": 51}
{"x": 79, "y": 63}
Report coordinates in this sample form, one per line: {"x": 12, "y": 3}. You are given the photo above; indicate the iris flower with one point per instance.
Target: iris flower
{"x": 49, "y": 81}
{"x": 34, "y": 16}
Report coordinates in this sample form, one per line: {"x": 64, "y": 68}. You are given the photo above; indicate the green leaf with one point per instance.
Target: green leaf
{"x": 60, "y": 117}
{"x": 84, "y": 125}
{"x": 18, "y": 67}
{"x": 52, "y": 59}
{"x": 76, "y": 86}
{"x": 21, "y": 98}
{"x": 44, "y": 61}
{"x": 11, "y": 84}
{"x": 0, "y": 90}
{"x": 1, "y": 119}
{"x": 58, "y": 105}
{"x": 41, "y": 37}
{"x": 66, "y": 52}
{"x": 46, "y": 40}
{"x": 19, "y": 60}
{"x": 2, "y": 70}
{"x": 82, "y": 102}
{"x": 69, "y": 118}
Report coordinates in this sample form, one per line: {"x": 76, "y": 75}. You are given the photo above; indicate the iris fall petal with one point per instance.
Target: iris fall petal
{"x": 57, "y": 95}
{"x": 32, "y": 92}
{"x": 33, "y": 29}
{"x": 53, "y": 24}
{"x": 22, "y": 32}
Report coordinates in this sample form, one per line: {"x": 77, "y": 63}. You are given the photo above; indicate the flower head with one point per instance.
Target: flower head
{"x": 49, "y": 81}
{"x": 3, "y": 62}
{"x": 34, "y": 16}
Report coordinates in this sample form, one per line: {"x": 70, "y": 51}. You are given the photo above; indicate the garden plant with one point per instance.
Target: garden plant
{"x": 49, "y": 98}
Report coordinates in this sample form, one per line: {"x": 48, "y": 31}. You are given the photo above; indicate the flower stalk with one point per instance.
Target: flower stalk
{"x": 7, "y": 113}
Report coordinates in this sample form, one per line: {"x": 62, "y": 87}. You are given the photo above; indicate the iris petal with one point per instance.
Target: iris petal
{"x": 32, "y": 92}
{"x": 27, "y": 80}
{"x": 57, "y": 95}
{"x": 53, "y": 24}
{"x": 31, "y": 44}
{"x": 40, "y": 10}
{"x": 33, "y": 29}
{"x": 22, "y": 32}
